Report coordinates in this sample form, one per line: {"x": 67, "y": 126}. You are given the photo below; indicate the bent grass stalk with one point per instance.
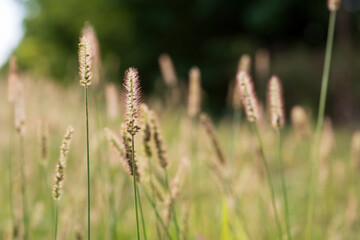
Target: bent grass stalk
{"x": 152, "y": 203}
{"x": 319, "y": 125}
{"x": 141, "y": 214}
{"x": 269, "y": 180}
{"x": 172, "y": 204}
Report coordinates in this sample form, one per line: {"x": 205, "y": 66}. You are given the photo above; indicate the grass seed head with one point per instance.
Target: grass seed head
{"x": 85, "y": 62}
{"x": 43, "y": 135}
{"x": 300, "y": 122}
{"x": 112, "y": 101}
{"x": 334, "y": 5}
{"x": 158, "y": 140}
{"x": 244, "y": 63}
{"x": 194, "y": 94}
{"x": 20, "y": 108}
{"x": 248, "y": 96}
{"x": 126, "y": 140}
{"x": 61, "y": 165}
{"x": 132, "y": 100}
{"x": 355, "y": 149}
{"x": 146, "y": 130}
{"x": 167, "y": 70}
{"x": 211, "y": 133}
{"x": 12, "y": 80}
{"x": 276, "y": 103}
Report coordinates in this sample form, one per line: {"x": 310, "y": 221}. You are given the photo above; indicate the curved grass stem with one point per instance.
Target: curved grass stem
{"x": 141, "y": 213}
{"x": 319, "y": 125}
{"x": 172, "y": 205}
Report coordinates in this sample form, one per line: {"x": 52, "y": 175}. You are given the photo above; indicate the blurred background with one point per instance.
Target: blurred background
{"x": 283, "y": 37}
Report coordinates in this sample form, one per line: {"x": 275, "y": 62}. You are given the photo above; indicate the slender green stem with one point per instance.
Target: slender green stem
{"x": 141, "y": 213}
{"x": 319, "y": 125}
{"x": 157, "y": 214}
{"x": 283, "y": 184}
{"x": 135, "y": 192}
{"x": 172, "y": 205}
{"x": 56, "y": 218}
{"x": 23, "y": 189}
{"x": 153, "y": 196}
{"x": 269, "y": 180}
{"x": 87, "y": 158}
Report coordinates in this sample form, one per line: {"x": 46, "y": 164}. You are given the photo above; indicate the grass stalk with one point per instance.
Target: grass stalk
{"x": 141, "y": 214}
{"x": 87, "y": 158}
{"x": 23, "y": 189}
{"x": 134, "y": 181}
{"x": 56, "y": 218}
{"x": 172, "y": 205}
{"x": 235, "y": 131}
{"x": 319, "y": 125}
{"x": 269, "y": 180}
{"x": 153, "y": 196}
{"x": 10, "y": 168}
{"x": 283, "y": 184}
{"x": 152, "y": 203}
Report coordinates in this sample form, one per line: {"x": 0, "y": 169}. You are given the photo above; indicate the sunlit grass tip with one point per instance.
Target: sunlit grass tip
{"x": 132, "y": 100}
{"x": 276, "y": 103}
{"x": 85, "y": 62}
{"x": 248, "y": 96}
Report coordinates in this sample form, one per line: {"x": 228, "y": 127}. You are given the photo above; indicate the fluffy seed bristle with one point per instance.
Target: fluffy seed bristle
{"x": 12, "y": 80}
{"x": 248, "y": 96}
{"x": 112, "y": 101}
{"x": 132, "y": 100}
{"x": 158, "y": 140}
{"x": 167, "y": 70}
{"x": 20, "y": 108}
{"x": 334, "y": 5}
{"x": 210, "y": 130}
{"x": 85, "y": 62}
{"x": 146, "y": 130}
{"x": 244, "y": 63}
{"x": 61, "y": 165}
{"x": 126, "y": 140}
{"x": 276, "y": 103}
{"x": 194, "y": 98}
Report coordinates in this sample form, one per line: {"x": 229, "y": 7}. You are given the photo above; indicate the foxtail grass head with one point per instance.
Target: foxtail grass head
{"x": 334, "y": 5}
{"x": 126, "y": 141}
{"x": 276, "y": 103}
{"x": 43, "y": 135}
{"x": 248, "y": 96}
{"x": 158, "y": 140}
{"x": 300, "y": 122}
{"x": 20, "y": 108}
{"x": 167, "y": 70}
{"x": 194, "y": 98}
{"x": 132, "y": 100}
{"x": 147, "y": 133}
{"x": 12, "y": 80}
{"x": 61, "y": 165}
{"x": 85, "y": 62}
{"x": 112, "y": 101}
{"x": 244, "y": 63}
{"x": 211, "y": 133}
{"x": 89, "y": 33}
